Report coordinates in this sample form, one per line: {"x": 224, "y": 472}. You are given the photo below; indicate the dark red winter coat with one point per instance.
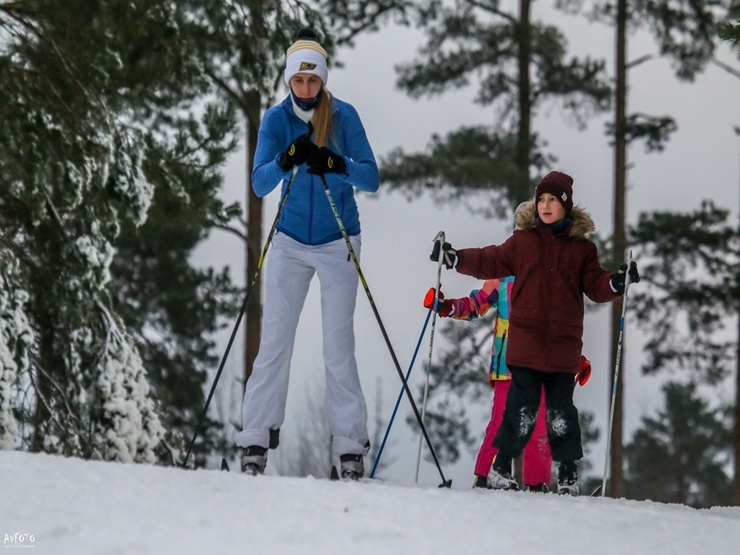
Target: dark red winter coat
{"x": 553, "y": 272}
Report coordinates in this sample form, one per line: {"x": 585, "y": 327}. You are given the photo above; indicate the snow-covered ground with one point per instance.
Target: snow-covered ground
{"x": 68, "y": 506}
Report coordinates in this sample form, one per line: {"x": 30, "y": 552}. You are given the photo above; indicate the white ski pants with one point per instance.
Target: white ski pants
{"x": 289, "y": 269}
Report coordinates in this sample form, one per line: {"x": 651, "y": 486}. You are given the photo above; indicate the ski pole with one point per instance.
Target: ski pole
{"x": 340, "y": 223}
{"x": 616, "y": 374}
{"x": 241, "y": 314}
{"x": 400, "y": 395}
{"x": 441, "y": 238}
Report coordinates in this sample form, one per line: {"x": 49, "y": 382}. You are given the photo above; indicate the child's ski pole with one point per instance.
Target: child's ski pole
{"x": 441, "y": 238}
{"x": 616, "y": 373}
{"x": 400, "y": 394}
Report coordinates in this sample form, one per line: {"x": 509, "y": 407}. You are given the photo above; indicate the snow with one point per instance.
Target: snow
{"x": 70, "y": 506}
{"x": 15, "y": 337}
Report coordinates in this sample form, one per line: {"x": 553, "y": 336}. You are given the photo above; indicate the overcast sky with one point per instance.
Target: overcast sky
{"x": 702, "y": 161}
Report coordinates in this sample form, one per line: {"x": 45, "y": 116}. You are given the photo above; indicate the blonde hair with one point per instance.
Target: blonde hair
{"x": 322, "y": 120}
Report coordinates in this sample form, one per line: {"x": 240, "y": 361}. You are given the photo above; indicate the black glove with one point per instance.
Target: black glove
{"x": 618, "y": 278}
{"x": 298, "y": 152}
{"x": 323, "y": 160}
{"x": 449, "y": 256}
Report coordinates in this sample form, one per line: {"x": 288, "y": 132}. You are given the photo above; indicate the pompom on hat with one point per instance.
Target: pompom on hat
{"x": 559, "y": 185}
{"x": 306, "y": 55}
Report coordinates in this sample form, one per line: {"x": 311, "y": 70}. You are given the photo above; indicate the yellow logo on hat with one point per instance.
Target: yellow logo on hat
{"x": 307, "y": 65}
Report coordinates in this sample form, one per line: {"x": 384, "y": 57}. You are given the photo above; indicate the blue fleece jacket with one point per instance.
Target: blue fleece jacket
{"x": 307, "y": 216}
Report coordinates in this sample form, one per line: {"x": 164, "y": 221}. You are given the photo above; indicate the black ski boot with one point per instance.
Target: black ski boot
{"x": 538, "y": 488}
{"x": 480, "y": 482}
{"x": 254, "y": 460}
{"x": 568, "y": 478}
{"x": 352, "y": 467}
{"x": 500, "y": 475}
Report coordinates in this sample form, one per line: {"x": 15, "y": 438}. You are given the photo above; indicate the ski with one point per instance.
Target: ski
{"x": 596, "y": 492}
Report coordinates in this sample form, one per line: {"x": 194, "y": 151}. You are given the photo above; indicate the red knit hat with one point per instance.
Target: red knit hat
{"x": 559, "y": 185}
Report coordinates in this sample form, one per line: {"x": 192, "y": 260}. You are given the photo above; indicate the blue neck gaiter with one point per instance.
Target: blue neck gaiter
{"x": 557, "y": 227}
{"x": 307, "y": 104}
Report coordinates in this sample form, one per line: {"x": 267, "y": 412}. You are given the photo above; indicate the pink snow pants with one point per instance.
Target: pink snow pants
{"x": 537, "y": 462}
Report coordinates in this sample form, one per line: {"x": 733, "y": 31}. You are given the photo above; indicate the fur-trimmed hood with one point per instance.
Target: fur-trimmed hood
{"x": 553, "y": 274}
{"x": 582, "y": 226}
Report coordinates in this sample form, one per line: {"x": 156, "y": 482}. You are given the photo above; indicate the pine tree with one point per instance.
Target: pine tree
{"x": 100, "y": 102}
{"x": 521, "y": 63}
{"x": 680, "y": 456}
{"x": 686, "y": 34}
{"x": 691, "y": 264}
{"x": 690, "y": 299}
{"x": 174, "y": 310}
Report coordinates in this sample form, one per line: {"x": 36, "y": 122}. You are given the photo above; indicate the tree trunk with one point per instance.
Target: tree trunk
{"x": 253, "y": 315}
{"x": 525, "y": 99}
{"x": 524, "y": 40}
{"x": 736, "y": 432}
{"x": 41, "y": 414}
{"x": 42, "y": 377}
{"x": 616, "y": 455}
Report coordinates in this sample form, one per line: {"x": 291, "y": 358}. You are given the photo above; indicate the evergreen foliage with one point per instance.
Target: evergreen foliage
{"x": 243, "y": 54}
{"x": 686, "y": 32}
{"x": 475, "y": 42}
{"x": 682, "y": 455}
{"x": 730, "y": 31}
{"x": 686, "y": 35}
{"x": 458, "y": 381}
{"x": 692, "y": 275}
{"x": 173, "y": 310}
{"x": 485, "y": 167}
{"x": 690, "y": 292}
{"x": 590, "y": 434}
{"x": 103, "y": 119}
{"x": 487, "y": 163}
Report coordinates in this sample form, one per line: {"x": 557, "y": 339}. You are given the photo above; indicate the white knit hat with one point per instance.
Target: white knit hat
{"x": 306, "y": 55}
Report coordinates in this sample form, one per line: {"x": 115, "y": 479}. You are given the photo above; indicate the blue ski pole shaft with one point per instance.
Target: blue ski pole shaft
{"x": 398, "y": 400}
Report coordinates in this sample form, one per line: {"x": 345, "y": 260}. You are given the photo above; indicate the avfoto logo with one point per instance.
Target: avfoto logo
{"x": 19, "y": 540}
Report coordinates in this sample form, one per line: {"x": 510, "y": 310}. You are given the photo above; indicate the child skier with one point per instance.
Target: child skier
{"x": 554, "y": 265}
{"x": 537, "y": 461}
